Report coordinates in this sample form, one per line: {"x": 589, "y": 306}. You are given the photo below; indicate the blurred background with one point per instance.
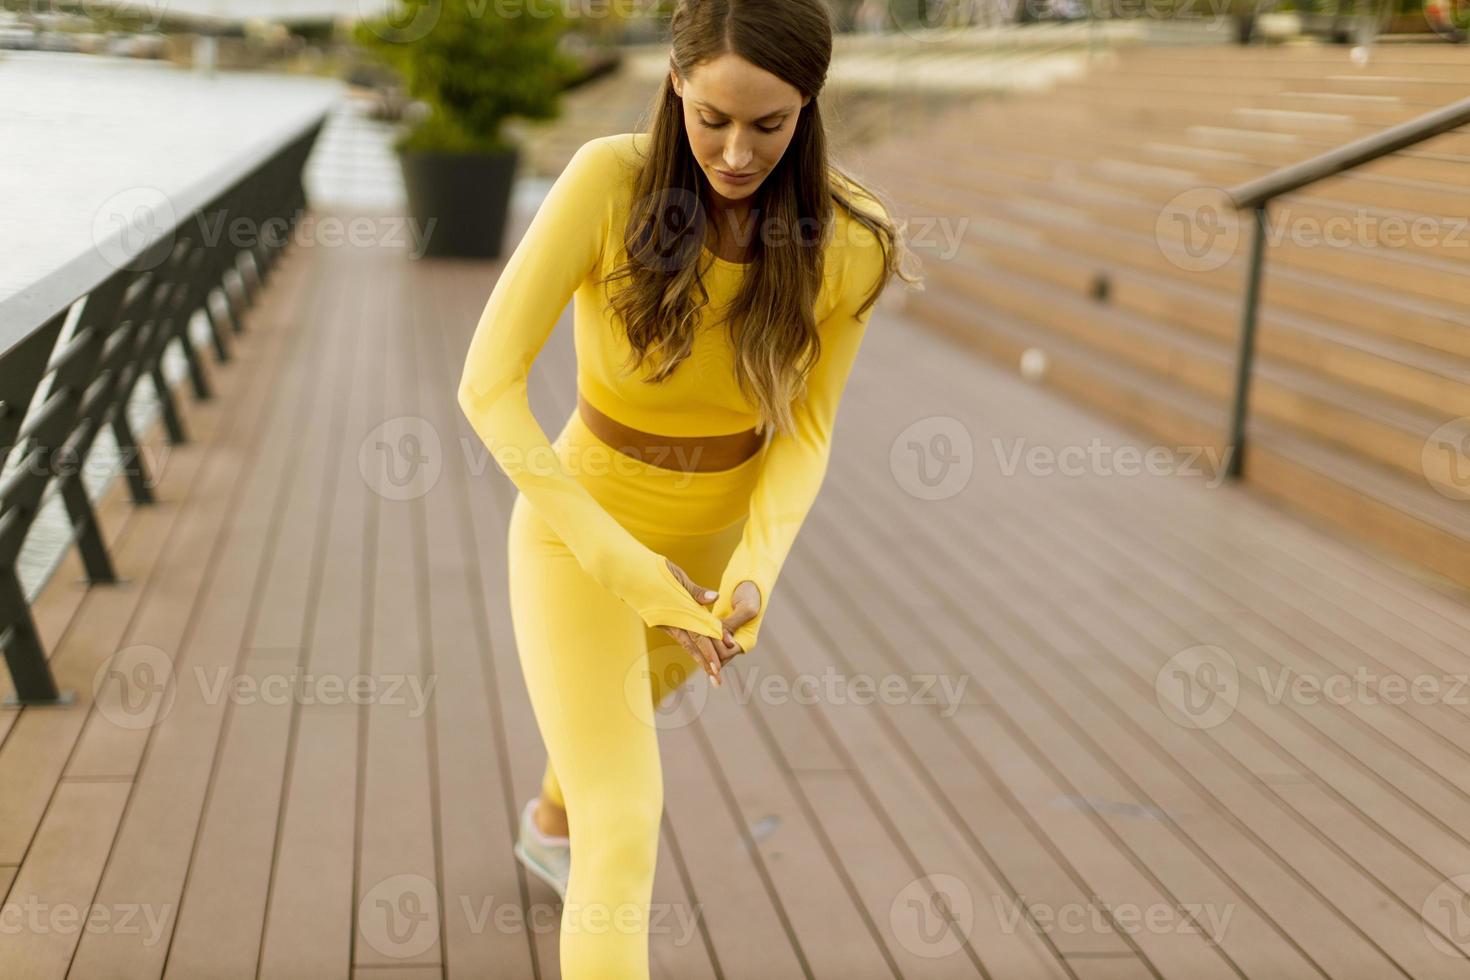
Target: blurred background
{"x": 1130, "y": 635}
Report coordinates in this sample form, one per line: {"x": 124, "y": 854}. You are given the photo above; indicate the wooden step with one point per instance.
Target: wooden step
{"x": 1393, "y": 326}
{"x": 1359, "y": 422}
{"x": 1142, "y": 183}
{"x": 1423, "y": 182}
{"x": 1120, "y": 113}
{"x": 1419, "y": 378}
{"x": 1049, "y": 213}
{"x": 1370, "y": 355}
{"x": 1372, "y": 504}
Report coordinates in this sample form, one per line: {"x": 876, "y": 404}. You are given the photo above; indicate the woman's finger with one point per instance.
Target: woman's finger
{"x": 707, "y": 650}
{"x": 728, "y": 648}
{"x": 739, "y": 617}
{"x": 745, "y": 605}
{"x": 689, "y": 641}
{"x": 701, "y": 595}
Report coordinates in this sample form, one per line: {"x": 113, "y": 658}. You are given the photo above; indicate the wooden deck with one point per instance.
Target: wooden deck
{"x": 1053, "y": 700}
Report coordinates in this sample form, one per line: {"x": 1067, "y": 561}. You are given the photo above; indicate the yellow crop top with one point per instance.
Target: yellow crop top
{"x": 574, "y": 239}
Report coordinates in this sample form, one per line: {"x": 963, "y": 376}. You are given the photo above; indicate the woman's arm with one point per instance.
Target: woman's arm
{"x": 796, "y": 462}
{"x": 561, "y": 248}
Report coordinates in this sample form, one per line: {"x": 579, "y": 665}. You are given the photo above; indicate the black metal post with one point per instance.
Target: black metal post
{"x": 1245, "y": 355}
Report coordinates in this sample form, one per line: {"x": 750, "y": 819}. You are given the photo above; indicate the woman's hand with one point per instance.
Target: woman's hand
{"x": 704, "y": 649}
{"x": 745, "y": 604}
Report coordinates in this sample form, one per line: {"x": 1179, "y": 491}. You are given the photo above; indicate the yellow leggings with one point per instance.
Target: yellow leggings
{"x": 595, "y": 673}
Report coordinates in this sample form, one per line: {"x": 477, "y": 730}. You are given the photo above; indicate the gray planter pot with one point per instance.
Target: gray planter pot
{"x": 465, "y": 195}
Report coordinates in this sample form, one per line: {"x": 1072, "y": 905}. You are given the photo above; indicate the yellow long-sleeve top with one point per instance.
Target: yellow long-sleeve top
{"x": 574, "y": 239}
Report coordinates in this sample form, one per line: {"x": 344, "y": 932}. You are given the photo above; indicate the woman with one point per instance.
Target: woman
{"x": 722, "y": 275}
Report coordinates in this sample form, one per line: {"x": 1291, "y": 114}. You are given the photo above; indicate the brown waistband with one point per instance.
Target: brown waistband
{"x": 682, "y": 453}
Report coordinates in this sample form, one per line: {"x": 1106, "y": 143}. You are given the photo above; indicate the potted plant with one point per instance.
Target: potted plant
{"x": 468, "y": 69}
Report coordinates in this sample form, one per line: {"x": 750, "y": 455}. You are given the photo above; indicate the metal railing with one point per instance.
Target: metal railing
{"x": 1257, "y": 195}
{"x": 126, "y": 321}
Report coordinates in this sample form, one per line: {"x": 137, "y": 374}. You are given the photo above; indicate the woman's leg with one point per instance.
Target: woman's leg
{"x": 578, "y": 645}
{"x": 669, "y": 664}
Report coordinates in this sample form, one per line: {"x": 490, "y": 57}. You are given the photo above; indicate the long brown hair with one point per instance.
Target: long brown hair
{"x": 771, "y": 321}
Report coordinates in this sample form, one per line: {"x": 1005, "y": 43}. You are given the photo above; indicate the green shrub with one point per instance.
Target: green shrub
{"x": 475, "y": 64}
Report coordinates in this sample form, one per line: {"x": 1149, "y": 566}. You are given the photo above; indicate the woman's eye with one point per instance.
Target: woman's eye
{"x": 721, "y": 125}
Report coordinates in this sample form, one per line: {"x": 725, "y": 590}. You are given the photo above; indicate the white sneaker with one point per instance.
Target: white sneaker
{"x": 548, "y": 858}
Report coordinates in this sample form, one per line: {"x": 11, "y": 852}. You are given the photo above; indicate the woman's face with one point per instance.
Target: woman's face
{"x": 739, "y": 120}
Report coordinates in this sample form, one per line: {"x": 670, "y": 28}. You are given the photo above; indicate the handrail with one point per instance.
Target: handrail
{"x": 1349, "y": 155}
{"x": 128, "y": 315}
{"x": 1257, "y": 195}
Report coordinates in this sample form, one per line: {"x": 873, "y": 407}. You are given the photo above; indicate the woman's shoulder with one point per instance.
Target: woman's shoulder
{"x": 859, "y": 196}
{"x": 856, "y": 247}
{"x": 611, "y": 159}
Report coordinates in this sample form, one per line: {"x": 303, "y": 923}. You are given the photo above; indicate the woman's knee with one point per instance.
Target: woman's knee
{"x": 619, "y": 833}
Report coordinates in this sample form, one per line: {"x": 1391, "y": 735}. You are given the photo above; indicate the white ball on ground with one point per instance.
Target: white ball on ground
{"x": 1359, "y": 55}
{"x": 1033, "y": 363}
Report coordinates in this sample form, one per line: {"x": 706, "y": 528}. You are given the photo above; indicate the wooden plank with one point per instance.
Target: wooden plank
{"x": 399, "y": 867}
{"x": 36, "y": 749}
{"x": 490, "y": 921}
{"x": 223, "y": 911}
{"x": 150, "y": 857}
{"x": 915, "y": 833}
{"x": 314, "y": 859}
{"x": 1072, "y": 544}
{"x": 103, "y": 619}
{"x": 1408, "y": 605}
{"x": 834, "y": 931}
{"x": 1347, "y": 639}
{"x": 1067, "y": 830}
{"x": 49, "y": 906}
{"x": 491, "y": 495}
